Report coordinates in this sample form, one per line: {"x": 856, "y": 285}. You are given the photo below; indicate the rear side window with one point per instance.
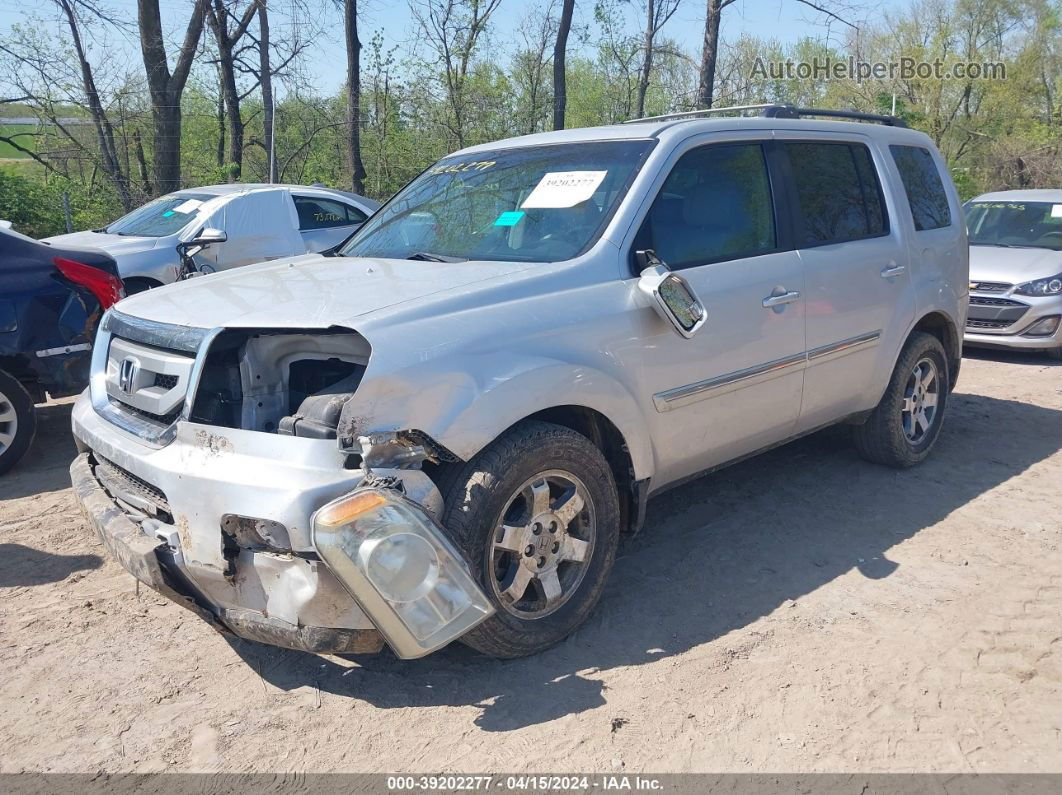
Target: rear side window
{"x": 316, "y": 213}
{"x": 924, "y": 189}
{"x": 715, "y": 205}
{"x": 838, "y": 192}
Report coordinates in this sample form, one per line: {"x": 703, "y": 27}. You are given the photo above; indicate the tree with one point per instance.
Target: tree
{"x": 265, "y": 79}
{"x": 357, "y": 167}
{"x": 710, "y": 48}
{"x": 39, "y": 70}
{"x": 560, "y": 52}
{"x": 166, "y": 87}
{"x": 529, "y": 67}
{"x": 454, "y": 28}
{"x": 657, "y": 13}
{"x": 228, "y": 42}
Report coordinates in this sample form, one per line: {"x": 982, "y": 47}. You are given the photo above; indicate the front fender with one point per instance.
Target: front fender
{"x": 465, "y": 408}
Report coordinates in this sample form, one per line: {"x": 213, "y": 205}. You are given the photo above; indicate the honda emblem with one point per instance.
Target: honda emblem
{"x": 127, "y": 372}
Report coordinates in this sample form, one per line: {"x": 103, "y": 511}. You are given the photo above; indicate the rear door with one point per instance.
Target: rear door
{"x": 735, "y": 386}
{"x": 860, "y": 302}
{"x": 324, "y": 223}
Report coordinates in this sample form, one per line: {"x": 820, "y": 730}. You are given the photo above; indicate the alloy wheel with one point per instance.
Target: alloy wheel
{"x": 920, "y": 399}
{"x": 8, "y": 422}
{"x": 542, "y": 544}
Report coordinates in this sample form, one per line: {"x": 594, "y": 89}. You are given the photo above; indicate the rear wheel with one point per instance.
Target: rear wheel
{"x": 904, "y": 426}
{"x": 538, "y": 515}
{"x": 18, "y": 422}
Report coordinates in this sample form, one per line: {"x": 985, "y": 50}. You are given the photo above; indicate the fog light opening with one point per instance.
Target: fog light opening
{"x": 1044, "y": 327}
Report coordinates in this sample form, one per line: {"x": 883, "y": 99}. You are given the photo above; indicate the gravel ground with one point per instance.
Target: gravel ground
{"x": 802, "y": 611}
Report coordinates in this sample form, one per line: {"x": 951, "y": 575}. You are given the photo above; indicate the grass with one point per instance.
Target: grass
{"x": 9, "y": 152}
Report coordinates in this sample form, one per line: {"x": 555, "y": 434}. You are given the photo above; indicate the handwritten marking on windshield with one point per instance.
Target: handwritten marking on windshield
{"x": 478, "y": 165}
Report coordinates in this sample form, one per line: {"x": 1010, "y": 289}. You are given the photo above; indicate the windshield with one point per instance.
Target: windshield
{"x": 1023, "y": 224}
{"x": 161, "y": 217}
{"x": 532, "y": 204}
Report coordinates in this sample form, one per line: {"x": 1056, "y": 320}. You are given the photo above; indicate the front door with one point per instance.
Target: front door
{"x": 735, "y": 386}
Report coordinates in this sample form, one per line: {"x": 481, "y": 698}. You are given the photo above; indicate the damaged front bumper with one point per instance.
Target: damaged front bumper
{"x": 221, "y": 522}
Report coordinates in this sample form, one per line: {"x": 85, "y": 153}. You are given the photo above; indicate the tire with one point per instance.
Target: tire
{"x": 18, "y": 421}
{"x": 891, "y": 436}
{"x": 503, "y": 485}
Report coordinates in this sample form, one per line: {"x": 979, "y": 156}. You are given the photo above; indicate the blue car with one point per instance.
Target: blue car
{"x": 51, "y": 300}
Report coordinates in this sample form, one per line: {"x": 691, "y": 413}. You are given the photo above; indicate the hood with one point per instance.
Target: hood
{"x": 115, "y": 245}
{"x": 1013, "y": 265}
{"x": 310, "y": 291}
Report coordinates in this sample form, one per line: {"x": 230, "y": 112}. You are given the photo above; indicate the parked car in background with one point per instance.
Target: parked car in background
{"x": 1016, "y": 270}
{"x": 261, "y": 222}
{"x": 442, "y": 429}
{"x": 51, "y": 300}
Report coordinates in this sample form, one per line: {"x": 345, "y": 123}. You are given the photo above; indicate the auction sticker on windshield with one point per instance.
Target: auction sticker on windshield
{"x": 560, "y": 189}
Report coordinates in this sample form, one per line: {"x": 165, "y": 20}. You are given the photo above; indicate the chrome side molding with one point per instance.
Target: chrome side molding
{"x": 728, "y": 382}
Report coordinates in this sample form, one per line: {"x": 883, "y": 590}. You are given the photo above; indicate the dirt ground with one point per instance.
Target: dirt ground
{"x": 802, "y": 611}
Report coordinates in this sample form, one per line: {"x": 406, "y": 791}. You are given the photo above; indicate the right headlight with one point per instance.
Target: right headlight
{"x": 1052, "y": 285}
{"x": 401, "y": 568}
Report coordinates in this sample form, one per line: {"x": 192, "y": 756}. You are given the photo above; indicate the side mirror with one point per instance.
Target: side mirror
{"x": 672, "y": 297}
{"x": 208, "y": 236}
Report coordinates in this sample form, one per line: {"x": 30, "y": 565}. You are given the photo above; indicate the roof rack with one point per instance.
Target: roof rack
{"x": 779, "y": 111}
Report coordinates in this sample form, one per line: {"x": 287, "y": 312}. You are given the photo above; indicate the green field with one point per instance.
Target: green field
{"x": 9, "y": 152}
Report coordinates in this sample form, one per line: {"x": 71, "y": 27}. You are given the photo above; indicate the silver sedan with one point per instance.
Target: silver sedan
{"x": 1016, "y": 270}
{"x": 261, "y": 222}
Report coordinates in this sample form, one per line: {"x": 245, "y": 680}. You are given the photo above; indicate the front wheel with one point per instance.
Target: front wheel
{"x": 903, "y": 427}
{"x": 537, "y": 514}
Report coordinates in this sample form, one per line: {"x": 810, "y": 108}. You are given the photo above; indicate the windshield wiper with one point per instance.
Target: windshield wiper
{"x": 427, "y": 256}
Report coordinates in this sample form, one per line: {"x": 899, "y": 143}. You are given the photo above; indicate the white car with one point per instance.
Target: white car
{"x": 1016, "y": 271}
{"x": 261, "y": 222}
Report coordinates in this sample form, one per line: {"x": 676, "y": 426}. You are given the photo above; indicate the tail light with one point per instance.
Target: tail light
{"x": 107, "y": 288}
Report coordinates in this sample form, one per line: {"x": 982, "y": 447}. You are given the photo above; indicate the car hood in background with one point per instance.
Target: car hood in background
{"x": 115, "y": 245}
{"x": 1013, "y": 265}
{"x": 310, "y": 291}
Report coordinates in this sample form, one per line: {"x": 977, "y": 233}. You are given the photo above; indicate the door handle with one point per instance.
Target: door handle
{"x": 892, "y": 270}
{"x": 772, "y": 301}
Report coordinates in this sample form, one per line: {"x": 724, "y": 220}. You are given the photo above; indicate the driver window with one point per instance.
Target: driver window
{"x": 714, "y": 206}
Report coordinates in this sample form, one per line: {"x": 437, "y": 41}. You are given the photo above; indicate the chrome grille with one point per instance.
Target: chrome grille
{"x": 980, "y": 300}
{"x": 990, "y": 287}
{"x": 989, "y": 325}
{"x": 147, "y": 381}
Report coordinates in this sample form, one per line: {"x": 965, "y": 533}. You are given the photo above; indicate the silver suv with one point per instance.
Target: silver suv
{"x": 443, "y": 429}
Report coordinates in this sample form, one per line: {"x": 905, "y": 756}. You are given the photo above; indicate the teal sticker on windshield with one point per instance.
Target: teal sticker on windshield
{"x": 509, "y": 218}
{"x": 167, "y": 214}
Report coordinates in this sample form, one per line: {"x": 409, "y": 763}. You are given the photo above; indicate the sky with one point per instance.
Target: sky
{"x": 785, "y": 20}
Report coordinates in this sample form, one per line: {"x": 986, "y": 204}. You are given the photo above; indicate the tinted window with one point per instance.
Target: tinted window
{"x": 161, "y": 217}
{"x": 838, "y": 192}
{"x": 715, "y": 205}
{"x": 316, "y": 213}
{"x": 921, "y": 183}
